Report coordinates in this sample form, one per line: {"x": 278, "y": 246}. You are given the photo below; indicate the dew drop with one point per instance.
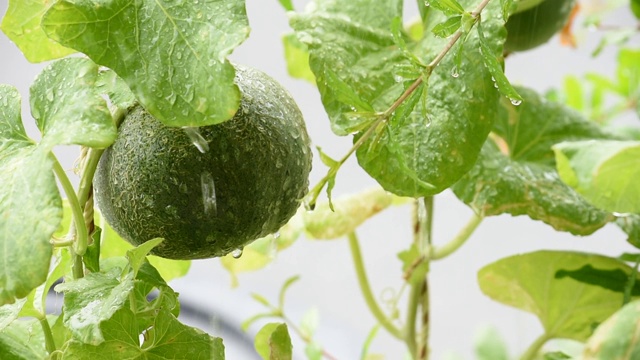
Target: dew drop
{"x": 621, "y": 215}
{"x": 428, "y": 121}
{"x": 454, "y": 72}
{"x": 276, "y": 235}
{"x": 237, "y": 253}
{"x": 208, "y": 193}
{"x": 426, "y": 3}
{"x": 196, "y": 138}
{"x": 515, "y": 102}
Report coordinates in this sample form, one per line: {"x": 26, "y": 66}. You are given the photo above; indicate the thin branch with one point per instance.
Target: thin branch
{"x": 463, "y": 235}
{"x": 365, "y": 288}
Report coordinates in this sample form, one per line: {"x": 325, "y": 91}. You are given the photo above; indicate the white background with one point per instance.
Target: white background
{"x": 328, "y": 280}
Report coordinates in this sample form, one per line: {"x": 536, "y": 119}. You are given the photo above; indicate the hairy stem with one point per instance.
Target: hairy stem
{"x": 535, "y": 347}
{"x": 410, "y": 325}
{"x": 459, "y": 240}
{"x": 48, "y": 335}
{"x": 365, "y": 288}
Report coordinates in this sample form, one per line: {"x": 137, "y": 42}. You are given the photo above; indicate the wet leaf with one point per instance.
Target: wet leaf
{"x": 296, "y": 55}
{"x": 515, "y": 172}
{"x": 605, "y": 172}
{"x": 448, "y": 27}
{"x": 67, "y": 107}
{"x": 111, "y": 84}
{"x": 166, "y": 339}
{"x": 138, "y": 255}
{"x": 449, "y": 7}
{"x": 272, "y": 342}
{"x": 21, "y": 24}
{"x": 24, "y": 340}
{"x": 495, "y": 67}
{"x": 569, "y": 292}
{"x": 617, "y": 338}
{"x": 30, "y": 204}
{"x": 175, "y": 64}
{"x": 91, "y": 300}
{"x": 416, "y": 155}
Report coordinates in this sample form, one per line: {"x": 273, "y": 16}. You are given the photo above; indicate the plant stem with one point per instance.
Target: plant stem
{"x": 410, "y": 324}
{"x": 48, "y": 335}
{"x": 463, "y": 235}
{"x": 422, "y": 235}
{"x": 535, "y": 347}
{"x": 366, "y": 289}
{"x": 78, "y": 228}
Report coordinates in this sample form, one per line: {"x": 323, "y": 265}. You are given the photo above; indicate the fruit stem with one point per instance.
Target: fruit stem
{"x": 384, "y": 116}
{"x": 365, "y": 288}
{"x": 463, "y": 235}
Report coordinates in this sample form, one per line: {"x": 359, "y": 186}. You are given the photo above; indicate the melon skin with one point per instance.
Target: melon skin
{"x": 153, "y": 182}
{"x": 535, "y": 26}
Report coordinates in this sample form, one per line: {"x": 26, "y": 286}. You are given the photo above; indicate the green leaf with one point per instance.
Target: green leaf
{"x": 91, "y": 257}
{"x": 495, "y": 68}
{"x": 616, "y": 338}
{"x": 91, "y": 300}
{"x": 507, "y": 5}
{"x": 630, "y": 224}
{"x": 309, "y": 323}
{"x": 111, "y": 84}
{"x": 138, "y": 255}
{"x": 261, "y": 252}
{"x": 296, "y": 55}
{"x": 67, "y": 107}
{"x": 569, "y": 292}
{"x": 30, "y": 204}
{"x": 449, "y": 7}
{"x": 148, "y": 279}
{"x": 348, "y": 213}
{"x": 516, "y": 173}
{"x": 605, "y": 172}
{"x": 166, "y": 339}
{"x": 489, "y": 345}
{"x": 114, "y": 246}
{"x": 287, "y": 5}
{"x": 313, "y": 351}
{"x": 447, "y": 28}
{"x": 24, "y": 340}
{"x": 10, "y": 312}
{"x": 413, "y": 155}
{"x": 272, "y": 342}
{"x": 413, "y": 264}
{"x": 21, "y": 24}
{"x": 628, "y": 73}
{"x": 556, "y": 355}
{"x": 635, "y": 8}
{"x": 175, "y": 64}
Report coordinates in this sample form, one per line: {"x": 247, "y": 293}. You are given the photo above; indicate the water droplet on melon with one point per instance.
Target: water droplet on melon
{"x": 208, "y": 193}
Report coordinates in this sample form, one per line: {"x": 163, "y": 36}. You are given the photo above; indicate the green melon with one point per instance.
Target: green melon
{"x": 154, "y": 182}
{"x": 536, "y": 25}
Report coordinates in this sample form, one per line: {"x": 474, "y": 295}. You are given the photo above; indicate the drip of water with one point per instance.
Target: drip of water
{"x": 208, "y": 193}
{"x": 237, "y": 253}
{"x": 196, "y": 138}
